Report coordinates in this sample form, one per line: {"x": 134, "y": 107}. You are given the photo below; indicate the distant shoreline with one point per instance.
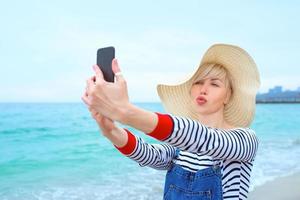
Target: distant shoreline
{"x": 277, "y": 102}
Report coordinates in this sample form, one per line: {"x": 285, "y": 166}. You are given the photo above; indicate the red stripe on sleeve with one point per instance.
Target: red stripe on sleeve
{"x": 163, "y": 128}
{"x": 130, "y": 145}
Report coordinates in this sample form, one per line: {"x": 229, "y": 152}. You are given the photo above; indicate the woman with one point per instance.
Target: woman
{"x": 209, "y": 148}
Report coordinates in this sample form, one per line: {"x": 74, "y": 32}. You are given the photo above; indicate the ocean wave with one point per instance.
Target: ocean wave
{"x": 275, "y": 158}
{"x": 26, "y": 130}
{"x": 129, "y": 188}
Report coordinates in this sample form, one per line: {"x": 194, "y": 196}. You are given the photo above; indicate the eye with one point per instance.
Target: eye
{"x": 214, "y": 84}
{"x": 198, "y": 82}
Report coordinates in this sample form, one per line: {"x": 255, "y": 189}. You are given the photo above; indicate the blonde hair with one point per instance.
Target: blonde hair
{"x": 215, "y": 70}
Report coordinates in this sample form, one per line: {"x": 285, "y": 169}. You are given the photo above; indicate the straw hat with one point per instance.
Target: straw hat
{"x": 240, "y": 110}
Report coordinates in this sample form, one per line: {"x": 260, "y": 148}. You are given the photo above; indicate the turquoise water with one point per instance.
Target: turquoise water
{"x": 55, "y": 151}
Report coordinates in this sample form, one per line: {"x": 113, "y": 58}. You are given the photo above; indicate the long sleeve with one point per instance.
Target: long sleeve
{"x": 190, "y": 135}
{"x": 157, "y": 156}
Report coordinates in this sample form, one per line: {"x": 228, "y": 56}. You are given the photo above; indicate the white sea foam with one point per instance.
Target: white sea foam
{"x": 146, "y": 185}
{"x": 275, "y": 158}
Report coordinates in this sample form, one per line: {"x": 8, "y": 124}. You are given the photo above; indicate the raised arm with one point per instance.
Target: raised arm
{"x": 191, "y": 135}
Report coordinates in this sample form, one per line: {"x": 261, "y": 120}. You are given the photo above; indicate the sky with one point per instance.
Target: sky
{"x": 47, "y": 48}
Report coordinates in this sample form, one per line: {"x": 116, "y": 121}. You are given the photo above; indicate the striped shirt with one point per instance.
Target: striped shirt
{"x": 200, "y": 147}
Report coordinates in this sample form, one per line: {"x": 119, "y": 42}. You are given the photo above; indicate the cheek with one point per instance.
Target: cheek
{"x": 193, "y": 91}
{"x": 219, "y": 97}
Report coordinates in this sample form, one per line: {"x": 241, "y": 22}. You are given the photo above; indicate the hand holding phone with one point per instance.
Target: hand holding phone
{"x": 104, "y": 61}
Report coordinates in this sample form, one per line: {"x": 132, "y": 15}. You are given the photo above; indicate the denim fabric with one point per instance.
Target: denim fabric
{"x": 205, "y": 184}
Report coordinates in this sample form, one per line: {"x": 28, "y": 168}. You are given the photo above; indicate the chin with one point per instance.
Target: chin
{"x": 201, "y": 110}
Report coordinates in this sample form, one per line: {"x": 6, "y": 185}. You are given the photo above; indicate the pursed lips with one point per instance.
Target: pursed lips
{"x": 201, "y": 100}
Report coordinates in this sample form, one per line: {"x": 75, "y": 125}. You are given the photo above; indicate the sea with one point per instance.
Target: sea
{"x": 56, "y": 151}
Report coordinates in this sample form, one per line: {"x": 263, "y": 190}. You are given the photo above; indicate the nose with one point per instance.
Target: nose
{"x": 203, "y": 89}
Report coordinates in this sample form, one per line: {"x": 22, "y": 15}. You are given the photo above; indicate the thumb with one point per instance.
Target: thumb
{"x": 116, "y": 70}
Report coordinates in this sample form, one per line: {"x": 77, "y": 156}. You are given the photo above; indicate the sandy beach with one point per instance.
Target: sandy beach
{"x": 283, "y": 188}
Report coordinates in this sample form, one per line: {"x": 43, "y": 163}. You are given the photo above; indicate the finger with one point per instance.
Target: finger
{"x": 90, "y": 84}
{"x": 116, "y": 70}
{"x": 99, "y": 116}
{"x": 86, "y": 100}
{"x": 86, "y": 89}
{"x": 99, "y": 75}
{"x": 93, "y": 112}
{"x": 92, "y": 79}
{"x": 91, "y": 109}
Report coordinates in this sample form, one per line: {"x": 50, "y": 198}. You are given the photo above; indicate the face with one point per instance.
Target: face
{"x": 209, "y": 95}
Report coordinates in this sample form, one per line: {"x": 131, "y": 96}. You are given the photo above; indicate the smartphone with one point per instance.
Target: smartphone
{"x": 104, "y": 61}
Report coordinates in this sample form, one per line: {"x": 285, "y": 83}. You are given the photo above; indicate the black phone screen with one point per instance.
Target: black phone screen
{"x": 104, "y": 61}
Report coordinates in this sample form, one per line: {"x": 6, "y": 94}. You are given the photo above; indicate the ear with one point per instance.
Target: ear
{"x": 228, "y": 95}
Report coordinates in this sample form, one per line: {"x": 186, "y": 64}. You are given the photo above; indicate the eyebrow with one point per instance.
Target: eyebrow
{"x": 213, "y": 79}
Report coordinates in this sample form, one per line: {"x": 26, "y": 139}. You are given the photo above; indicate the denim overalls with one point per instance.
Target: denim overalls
{"x": 205, "y": 184}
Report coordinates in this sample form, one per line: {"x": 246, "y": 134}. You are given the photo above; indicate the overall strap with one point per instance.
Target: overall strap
{"x": 177, "y": 152}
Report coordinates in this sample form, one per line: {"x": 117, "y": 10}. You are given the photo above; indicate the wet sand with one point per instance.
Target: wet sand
{"x": 283, "y": 188}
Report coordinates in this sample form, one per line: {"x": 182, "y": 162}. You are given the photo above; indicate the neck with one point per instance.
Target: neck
{"x": 214, "y": 120}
